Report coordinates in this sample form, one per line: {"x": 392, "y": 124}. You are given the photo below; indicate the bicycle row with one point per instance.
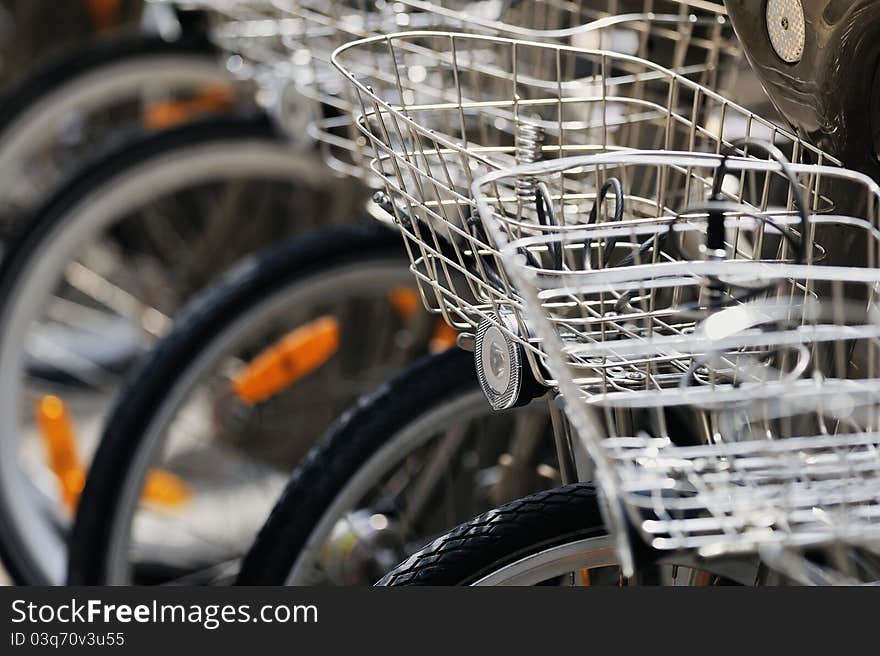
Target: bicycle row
{"x": 629, "y": 329}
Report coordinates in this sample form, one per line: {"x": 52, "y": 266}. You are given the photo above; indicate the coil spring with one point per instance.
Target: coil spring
{"x": 528, "y": 148}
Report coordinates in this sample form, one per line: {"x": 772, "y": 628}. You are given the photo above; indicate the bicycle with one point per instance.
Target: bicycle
{"x": 419, "y": 162}
{"x": 107, "y": 205}
{"x": 74, "y": 247}
{"x": 720, "y": 339}
{"x": 142, "y": 434}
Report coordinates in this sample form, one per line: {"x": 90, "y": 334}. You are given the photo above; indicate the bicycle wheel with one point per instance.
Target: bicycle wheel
{"x": 75, "y": 105}
{"x": 179, "y": 412}
{"x": 93, "y": 278}
{"x": 405, "y": 463}
{"x": 549, "y": 538}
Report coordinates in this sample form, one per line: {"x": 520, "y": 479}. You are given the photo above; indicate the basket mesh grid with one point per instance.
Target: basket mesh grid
{"x": 455, "y": 105}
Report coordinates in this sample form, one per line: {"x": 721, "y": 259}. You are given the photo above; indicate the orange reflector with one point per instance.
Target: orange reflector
{"x": 56, "y": 427}
{"x": 212, "y": 98}
{"x": 405, "y": 301}
{"x": 292, "y": 357}
{"x": 165, "y": 488}
{"x": 444, "y": 337}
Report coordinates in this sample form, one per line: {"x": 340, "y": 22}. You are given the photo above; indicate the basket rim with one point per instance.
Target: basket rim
{"x": 399, "y": 112}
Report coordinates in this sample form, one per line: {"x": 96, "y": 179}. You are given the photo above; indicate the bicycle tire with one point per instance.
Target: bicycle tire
{"x": 232, "y": 297}
{"x": 61, "y": 215}
{"x": 356, "y": 436}
{"x": 502, "y": 536}
{"x": 351, "y": 445}
{"x": 544, "y": 536}
{"x": 102, "y": 170}
{"x": 58, "y": 69}
{"x": 92, "y": 74}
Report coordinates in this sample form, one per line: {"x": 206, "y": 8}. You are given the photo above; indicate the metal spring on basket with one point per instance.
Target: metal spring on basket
{"x": 529, "y": 144}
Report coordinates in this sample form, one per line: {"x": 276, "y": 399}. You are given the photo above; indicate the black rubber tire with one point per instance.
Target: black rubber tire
{"x": 338, "y": 456}
{"x": 502, "y": 536}
{"x": 208, "y": 315}
{"x": 62, "y": 68}
{"x": 51, "y": 215}
{"x": 53, "y": 75}
{"x": 103, "y": 171}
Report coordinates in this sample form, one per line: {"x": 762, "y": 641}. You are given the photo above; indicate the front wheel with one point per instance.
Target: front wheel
{"x": 555, "y": 537}
{"x": 529, "y": 541}
{"x": 96, "y": 274}
{"x": 217, "y": 434}
{"x": 414, "y": 458}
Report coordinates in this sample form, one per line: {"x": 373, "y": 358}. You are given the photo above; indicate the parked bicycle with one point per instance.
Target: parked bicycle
{"x": 425, "y": 153}
{"x": 94, "y": 557}
{"x": 545, "y": 217}
{"x": 768, "y": 361}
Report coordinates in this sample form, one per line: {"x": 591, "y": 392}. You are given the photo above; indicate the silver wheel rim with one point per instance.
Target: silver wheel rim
{"x": 553, "y": 562}
{"x": 100, "y": 88}
{"x": 597, "y": 552}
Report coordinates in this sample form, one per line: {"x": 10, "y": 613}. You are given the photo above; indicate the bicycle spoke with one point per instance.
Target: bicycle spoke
{"x": 125, "y": 304}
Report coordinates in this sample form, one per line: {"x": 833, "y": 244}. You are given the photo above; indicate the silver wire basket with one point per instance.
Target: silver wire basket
{"x": 612, "y": 220}
{"x": 732, "y": 406}
{"x": 692, "y": 37}
{"x": 286, "y": 46}
{"x": 455, "y": 105}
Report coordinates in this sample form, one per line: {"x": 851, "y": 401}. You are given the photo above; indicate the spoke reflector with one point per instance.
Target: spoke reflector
{"x": 444, "y": 337}
{"x": 212, "y": 98}
{"x": 164, "y": 488}
{"x": 56, "y": 428}
{"x": 405, "y": 301}
{"x": 292, "y": 357}
{"x": 105, "y": 14}
{"x": 585, "y": 576}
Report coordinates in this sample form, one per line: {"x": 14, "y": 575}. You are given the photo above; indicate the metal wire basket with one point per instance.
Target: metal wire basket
{"x": 791, "y": 456}
{"x": 286, "y": 46}
{"x": 432, "y": 132}
{"x": 612, "y": 221}
{"x": 692, "y": 37}
{"x": 732, "y": 406}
